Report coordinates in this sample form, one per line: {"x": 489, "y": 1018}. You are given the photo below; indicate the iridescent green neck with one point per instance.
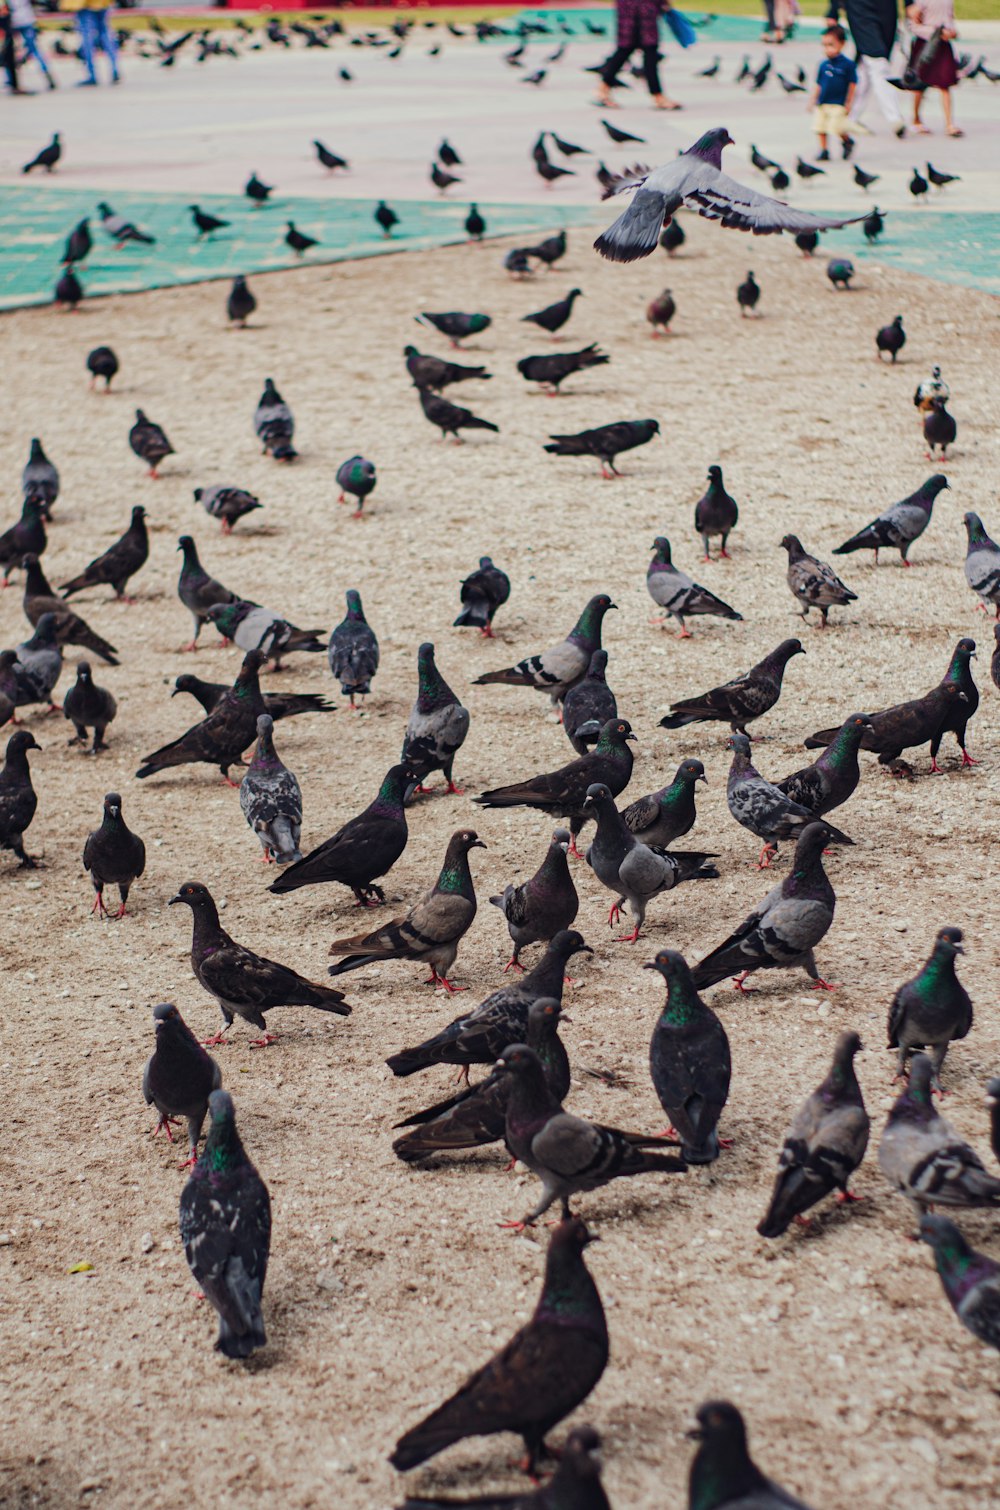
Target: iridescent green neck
{"x": 455, "y": 876}
{"x": 223, "y": 1151}
{"x": 682, "y": 1004}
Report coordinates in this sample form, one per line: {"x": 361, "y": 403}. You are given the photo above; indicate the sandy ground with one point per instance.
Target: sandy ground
{"x": 387, "y": 1284}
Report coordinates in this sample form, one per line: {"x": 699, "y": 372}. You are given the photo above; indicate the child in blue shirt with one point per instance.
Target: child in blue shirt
{"x": 831, "y": 99}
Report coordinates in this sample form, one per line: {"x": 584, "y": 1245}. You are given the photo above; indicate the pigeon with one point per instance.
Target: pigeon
{"x": 357, "y": 477}
{"x": 450, "y": 418}
{"x": 784, "y": 929}
{"x": 102, "y": 363}
{"x": 518, "y": 263}
{"x": 553, "y": 248}
{"x": 715, "y": 513}
{"x": 918, "y": 185}
{"x": 940, "y": 428}
{"x": 197, "y": 590}
{"x": 70, "y": 629}
{"x": 47, "y": 157}
{"x": 806, "y": 170}
{"x": 604, "y": 176}
{"x": 243, "y": 983}
{"x": 179, "y": 1077}
{"x": 118, "y": 563}
{"x": 257, "y": 191}
{"x": 923, "y": 1157}
{"x": 807, "y": 242}
{"x": 364, "y": 849}
{"x": 982, "y": 564}
{"x": 554, "y": 316}
{"x": 764, "y": 809}
{"x": 689, "y": 1061}
{"x": 695, "y": 179}
{"x": 435, "y": 373}
{"x": 31, "y": 673}
{"x": 40, "y": 479}
{"x": 274, "y": 424}
{"x": 432, "y": 929}
{"x": 538, "y": 77}
{"x": 542, "y": 906}
{"x": 740, "y": 701}
{"x": 120, "y": 229}
{"x": 551, "y": 172}
{"x": 225, "y": 1225}
{"x": 386, "y": 218}
{"x": 441, "y": 180}
{"x": 224, "y": 734}
{"x": 929, "y": 389}
{"x": 660, "y": 311}
{"x": 558, "y": 669}
{"x": 663, "y": 816}
{"x": 502, "y": 1019}
{"x": 544, "y": 1372}
{"x": 114, "y": 856}
{"x": 748, "y": 295}
{"x": 437, "y": 727}
{"x": 227, "y": 504}
{"x": 588, "y": 705}
{"x": 254, "y": 628}
{"x": 271, "y": 800}
{"x": 206, "y": 224}
{"x": 864, "y": 181}
{"x": 79, "y": 243}
{"x": 18, "y": 799}
{"x": 933, "y": 1008}
{"x": 568, "y": 1154}
{"x": 813, "y": 583}
{"x": 676, "y": 593}
{"x": 840, "y": 271}
{"x": 606, "y": 442}
{"x": 241, "y": 302}
{"x": 939, "y": 179}
{"x": 563, "y": 793}
{"x": 26, "y": 536}
{"x": 824, "y": 1145}
{"x": 970, "y": 1280}
{"x": 630, "y": 870}
{"x": 834, "y": 776}
{"x": 482, "y": 593}
{"x": 328, "y": 159}
{"x": 899, "y": 525}
{"x": 68, "y": 290}
{"x": 905, "y": 726}
{"x": 476, "y": 1116}
{"x": 891, "y": 338}
{"x": 712, "y": 70}
{"x": 873, "y": 224}
{"x": 455, "y": 325}
{"x": 553, "y": 368}
{"x": 617, "y": 135}
{"x": 760, "y": 162}
{"x": 353, "y": 651}
{"x": 723, "y": 1475}
{"x": 447, "y": 154}
{"x": 149, "y": 442}
{"x": 88, "y": 707}
{"x": 790, "y": 86}
{"x": 298, "y": 240}
{"x": 672, "y": 237}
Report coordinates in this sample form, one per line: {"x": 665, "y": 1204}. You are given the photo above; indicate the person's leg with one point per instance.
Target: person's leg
{"x": 106, "y": 42}
{"x": 85, "y": 26}
{"x": 862, "y": 90}
{"x": 30, "y": 38}
{"x": 610, "y": 72}
{"x": 949, "y": 124}
{"x": 885, "y": 95}
{"x": 8, "y": 56}
{"x": 823, "y": 152}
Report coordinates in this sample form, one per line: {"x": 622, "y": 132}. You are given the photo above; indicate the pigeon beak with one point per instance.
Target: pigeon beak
{"x": 634, "y": 737}
{"x": 650, "y": 965}
{"x": 694, "y": 1435}
{"x": 564, "y": 1018}
{"x": 702, "y": 778}
{"x": 175, "y": 692}
{"x": 584, "y": 949}
{"x": 477, "y": 844}
{"x": 177, "y": 898}
{"x": 958, "y": 948}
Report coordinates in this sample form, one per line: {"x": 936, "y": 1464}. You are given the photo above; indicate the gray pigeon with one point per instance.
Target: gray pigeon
{"x": 923, "y": 1157}
{"x": 785, "y": 928}
{"x": 970, "y": 1280}
{"x": 197, "y": 590}
{"x": 274, "y": 424}
{"x": 632, "y": 871}
{"x": 982, "y": 564}
{"x": 668, "y": 814}
{"x": 541, "y": 907}
{"x": 898, "y": 526}
{"x": 723, "y": 1475}
{"x": 824, "y": 1145}
{"x": 226, "y": 503}
{"x": 88, "y": 706}
{"x": 813, "y": 583}
{"x": 588, "y": 705}
{"x": 271, "y": 799}
{"x": 678, "y": 594}
{"x": 353, "y": 651}
{"x": 695, "y": 180}
{"x": 437, "y": 727}
{"x": 40, "y": 479}
{"x": 689, "y": 1061}
{"x": 933, "y": 1008}
{"x": 357, "y": 477}
{"x": 38, "y": 665}
{"x": 254, "y": 628}
{"x": 558, "y": 669}
{"x": 762, "y": 808}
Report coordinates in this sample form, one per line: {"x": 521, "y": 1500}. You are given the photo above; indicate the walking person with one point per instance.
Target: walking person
{"x": 8, "y": 52}
{"x": 638, "y": 26}
{"x": 23, "y": 21}
{"x": 95, "y": 36}
{"x": 940, "y": 70}
{"x": 833, "y": 95}
{"x": 873, "y": 27}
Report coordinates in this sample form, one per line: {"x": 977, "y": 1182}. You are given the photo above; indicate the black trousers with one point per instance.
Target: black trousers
{"x": 7, "y": 54}
{"x": 650, "y": 68}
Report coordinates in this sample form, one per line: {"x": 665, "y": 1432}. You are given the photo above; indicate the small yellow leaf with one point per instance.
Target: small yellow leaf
{"x": 81, "y": 1268}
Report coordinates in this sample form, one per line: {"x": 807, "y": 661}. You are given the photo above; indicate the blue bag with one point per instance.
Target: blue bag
{"x": 683, "y": 31}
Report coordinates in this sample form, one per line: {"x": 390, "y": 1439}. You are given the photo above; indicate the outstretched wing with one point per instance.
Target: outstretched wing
{"x": 745, "y": 209}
